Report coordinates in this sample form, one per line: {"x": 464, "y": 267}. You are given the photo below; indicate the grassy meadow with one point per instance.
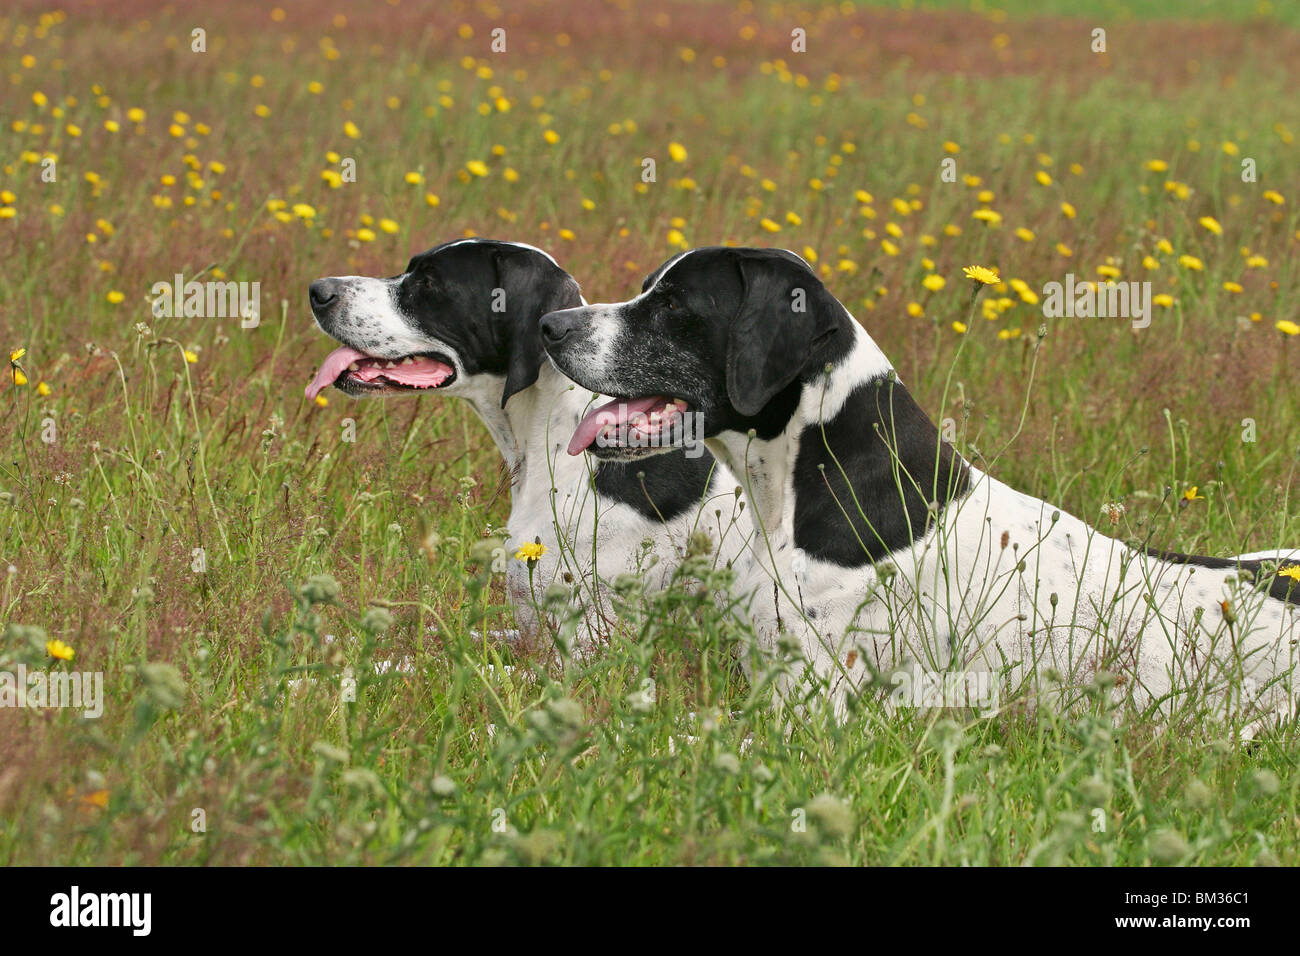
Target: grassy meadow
{"x": 176, "y": 516}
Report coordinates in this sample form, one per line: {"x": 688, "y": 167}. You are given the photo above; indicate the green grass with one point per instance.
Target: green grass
{"x": 1266, "y": 11}
{"x": 459, "y": 759}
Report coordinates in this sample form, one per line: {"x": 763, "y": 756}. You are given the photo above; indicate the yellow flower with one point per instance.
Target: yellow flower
{"x": 19, "y": 377}
{"x": 322, "y": 401}
{"x": 959, "y": 328}
{"x": 888, "y": 247}
{"x": 477, "y": 167}
{"x": 1064, "y": 250}
{"x": 769, "y": 225}
{"x": 1043, "y": 178}
{"x": 982, "y": 274}
{"x": 530, "y": 551}
{"x": 432, "y": 199}
{"x": 1273, "y": 196}
{"x": 389, "y": 226}
{"x": 303, "y": 211}
{"x": 1232, "y": 287}
{"x": 1256, "y": 262}
{"x": 987, "y": 216}
{"x": 414, "y": 178}
{"x": 677, "y": 152}
{"x": 915, "y": 310}
{"x": 1157, "y": 165}
{"x": 1068, "y": 209}
{"x": 1191, "y": 262}
{"x": 366, "y": 235}
{"x": 1165, "y": 246}
{"x": 1164, "y": 300}
{"x": 551, "y": 136}
{"x": 350, "y": 130}
{"x": 1150, "y": 262}
{"x": 1289, "y": 327}
{"x": 115, "y": 296}
{"x": 1230, "y": 148}
{"x": 43, "y": 389}
{"x": 1212, "y": 224}
{"x": 1293, "y": 572}
{"x": 1191, "y": 494}
{"x": 864, "y": 197}
{"x": 191, "y": 357}
{"x": 1025, "y": 235}
{"x": 17, "y": 354}
{"x": 57, "y": 649}
{"x": 951, "y": 147}
{"x": 934, "y": 282}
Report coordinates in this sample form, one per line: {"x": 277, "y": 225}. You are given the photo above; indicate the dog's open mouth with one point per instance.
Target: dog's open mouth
{"x": 631, "y": 427}
{"x": 356, "y": 372}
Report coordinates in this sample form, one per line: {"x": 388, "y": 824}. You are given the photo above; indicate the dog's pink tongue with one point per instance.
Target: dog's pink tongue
{"x": 419, "y": 373}
{"x": 611, "y": 413}
{"x": 330, "y": 369}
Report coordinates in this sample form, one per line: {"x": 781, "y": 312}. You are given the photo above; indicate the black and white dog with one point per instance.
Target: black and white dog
{"x": 879, "y": 550}
{"x": 462, "y": 320}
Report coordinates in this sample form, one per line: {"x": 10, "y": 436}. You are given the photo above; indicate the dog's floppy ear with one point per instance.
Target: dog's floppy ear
{"x": 530, "y": 285}
{"x": 786, "y": 315}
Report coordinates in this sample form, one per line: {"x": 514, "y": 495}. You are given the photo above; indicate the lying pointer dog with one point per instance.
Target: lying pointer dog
{"x": 880, "y": 553}
{"x": 462, "y": 320}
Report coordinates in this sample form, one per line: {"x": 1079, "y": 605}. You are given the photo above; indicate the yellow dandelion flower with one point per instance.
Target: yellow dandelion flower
{"x": 59, "y": 650}
{"x": 934, "y": 282}
{"x": 477, "y": 167}
{"x": 1211, "y": 224}
{"x": 959, "y": 327}
{"x": 1164, "y": 300}
{"x": 1191, "y": 262}
{"x": 769, "y": 225}
{"x": 530, "y": 551}
{"x": 350, "y": 130}
{"x": 1287, "y": 326}
{"x": 115, "y": 296}
{"x": 982, "y": 274}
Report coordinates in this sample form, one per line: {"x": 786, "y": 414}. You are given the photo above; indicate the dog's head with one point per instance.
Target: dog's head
{"x": 726, "y": 334}
{"x": 461, "y": 309}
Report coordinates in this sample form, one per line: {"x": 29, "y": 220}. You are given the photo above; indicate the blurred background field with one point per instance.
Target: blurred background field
{"x": 179, "y": 434}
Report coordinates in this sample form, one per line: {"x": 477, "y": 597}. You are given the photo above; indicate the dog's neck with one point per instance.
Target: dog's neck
{"x": 854, "y": 422}
{"x": 536, "y": 420}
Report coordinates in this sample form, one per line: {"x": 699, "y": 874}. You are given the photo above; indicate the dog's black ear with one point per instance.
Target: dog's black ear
{"x": 529, "y": 285}
{"x": 785, "y": 317}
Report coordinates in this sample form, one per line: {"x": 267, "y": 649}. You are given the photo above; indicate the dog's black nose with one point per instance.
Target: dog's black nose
{"x": 556, "y": 325}
{"x": 322, "y": 292}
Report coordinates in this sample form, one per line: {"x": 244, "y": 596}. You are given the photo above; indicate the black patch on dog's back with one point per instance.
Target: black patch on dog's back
{"x": 892, "y": 455}
{"x": 673, "y": 484}
{"x": 1282, "y": 588}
